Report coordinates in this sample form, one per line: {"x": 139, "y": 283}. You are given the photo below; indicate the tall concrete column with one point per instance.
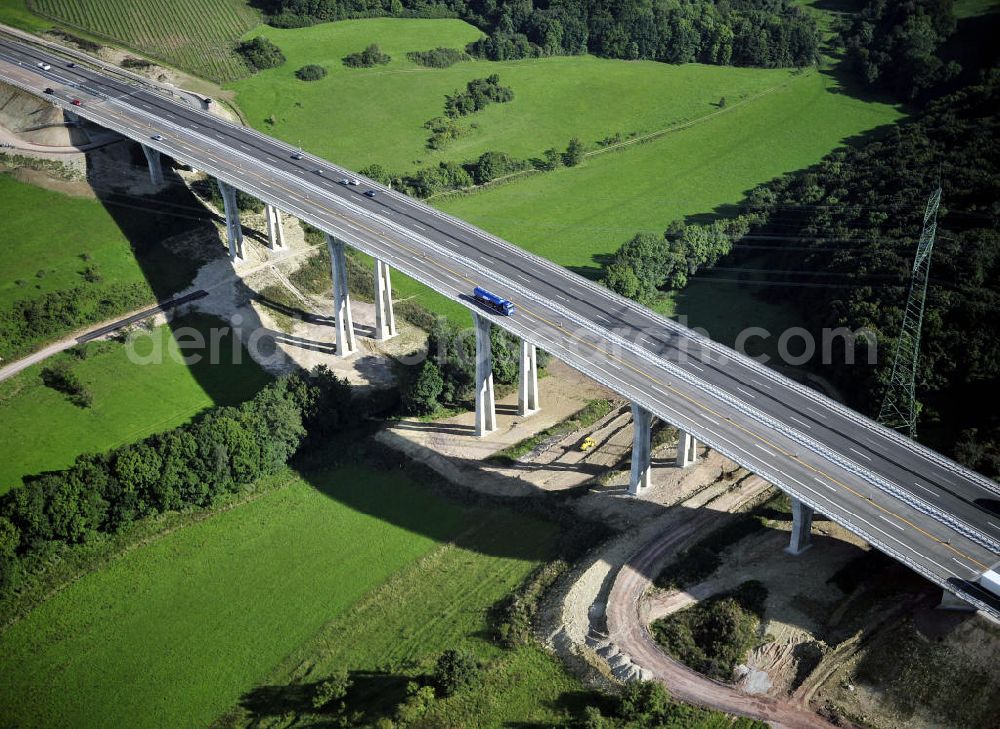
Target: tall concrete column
{"x": 234, "y": 232}
{"x": 486, "y": 408}
{"x": 687, "y": 449}
{"x": 527, "y": 394}
{"x": 341, "y": 298}
{"x": 275, "y": 230}
{"x": 802, "y": 519}
{"x": 155, "y": 165}
{"x": 385, "y": 318}
{"x": 642, "y": 425}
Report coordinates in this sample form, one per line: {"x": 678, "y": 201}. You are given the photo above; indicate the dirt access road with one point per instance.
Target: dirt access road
{"x": 628, "y": 632}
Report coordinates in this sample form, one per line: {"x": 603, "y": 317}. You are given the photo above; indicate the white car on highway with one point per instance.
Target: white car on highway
{"x": 45, "y": 66}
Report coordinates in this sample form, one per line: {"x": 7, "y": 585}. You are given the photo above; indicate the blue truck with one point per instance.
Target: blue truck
{"x": 494, "y": 302}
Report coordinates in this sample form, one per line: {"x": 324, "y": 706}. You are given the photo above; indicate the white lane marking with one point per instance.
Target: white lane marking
{"x": 760, "y": 384}
{"x": 884, "y": 518}
{"x": 523, "y": 277}
{"x": 562, "y": 298}
{"x": 993, "y": 525}
{"x": 746, "y": 392}
{"x": 244, "y": 146}
{"x": 758, "y": 445}
{"x": 795, "y": 480}
{"x": 935, "y": 494}
{"x": 419, "y": 227}
{"x": 859, "y": 453}
{"x": 814, "y": 411}
{"x": 800, "y": 422}
{"x": 823, "y": 483}
{"x": 956, "y": 559}
{"x": 700, "y": 369}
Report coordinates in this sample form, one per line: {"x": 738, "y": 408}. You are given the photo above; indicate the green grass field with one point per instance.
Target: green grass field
{"x": 377, "y": 114}
{"x": 193, "y": 35}
{"x": 358, "y": 556}
{"x": 130, "y": 402}
{"x": 787, "y": 121}
{"x": 17, "y": 14}
{"x": 45, "y": 252}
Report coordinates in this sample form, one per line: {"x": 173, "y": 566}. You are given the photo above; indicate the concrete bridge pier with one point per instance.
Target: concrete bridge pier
{"x": 275, "y": 230}
{"x": 346, "y": 345}
{"x": 687, "y": 449}
{"x": 234, "y": 232}
{"x": 802, "y": 518}
{"x": 486, "y": 409}
{"x": 642, "y": 427}
{"x": 953, "y": 602}
{"x": 385, "y": 318}
{"x": 155, "y": 165}
{"x": 527, "y": 394}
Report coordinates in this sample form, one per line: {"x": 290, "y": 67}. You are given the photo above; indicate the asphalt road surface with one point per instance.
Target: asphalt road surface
{"x": 938, "y": 517}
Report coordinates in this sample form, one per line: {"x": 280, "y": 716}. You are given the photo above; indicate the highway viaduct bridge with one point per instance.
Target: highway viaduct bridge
{"x": 921, "y": 508}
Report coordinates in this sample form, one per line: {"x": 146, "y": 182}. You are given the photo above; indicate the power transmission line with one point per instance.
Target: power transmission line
{"x": 899, "y": 408}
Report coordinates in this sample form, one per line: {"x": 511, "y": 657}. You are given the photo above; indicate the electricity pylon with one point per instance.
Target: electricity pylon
{"x": 899, "y": 408}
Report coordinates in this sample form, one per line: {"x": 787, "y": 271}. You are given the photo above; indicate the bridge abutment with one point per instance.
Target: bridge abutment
{"x": 527, "y": 394}
{"x": 486, "y": 409}
{"x": 687, "y": 449}
{"x": 234, "y": 231}
{"x": 385, "y": 317}
{"x": 802, "y": 517}
{"x": 343, "y": 320}
{"x": 275, "y": 229}
{"x": 640, "y": 477}
{"x": 155, "y": 162}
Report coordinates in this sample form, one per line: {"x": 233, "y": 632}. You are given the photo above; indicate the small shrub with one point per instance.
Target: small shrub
{"x": 312, "y": 72}
{"x": 421, "y": 396}
{"x": 369, "y": 57}
{"x": 261, "y": 53}
{"x": 330, "y": 693}
{"x": 62, "y": 379}
{"x": 130, "y": 62}
{"x": 438, "y": 57}
{"x": 455, "y": 670}
{"x": 479, "y": 93}
{"x": 91, "y": 274}
{"x": 574, "y": 153}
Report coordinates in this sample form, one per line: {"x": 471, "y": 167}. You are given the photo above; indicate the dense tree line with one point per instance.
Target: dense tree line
{"x": 447, "y": 377}
{"x": 650, "y": 263}
{"x": 894, "y": 44}
{"x": 29, "y": 321}
{"x": 769, "y": 33}
{"x": 187, "y": 467}
{"x": 853, "y": 221}
{"x": 489, "y": 166}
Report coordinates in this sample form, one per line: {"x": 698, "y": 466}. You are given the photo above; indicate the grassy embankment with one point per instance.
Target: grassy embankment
{"x": 17, "y": 14}
{"x": 48, "y": 252}
{"x": 130, "y": 401}
{"x": 572, "y": 216}
{"x": 352, "y": 569}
